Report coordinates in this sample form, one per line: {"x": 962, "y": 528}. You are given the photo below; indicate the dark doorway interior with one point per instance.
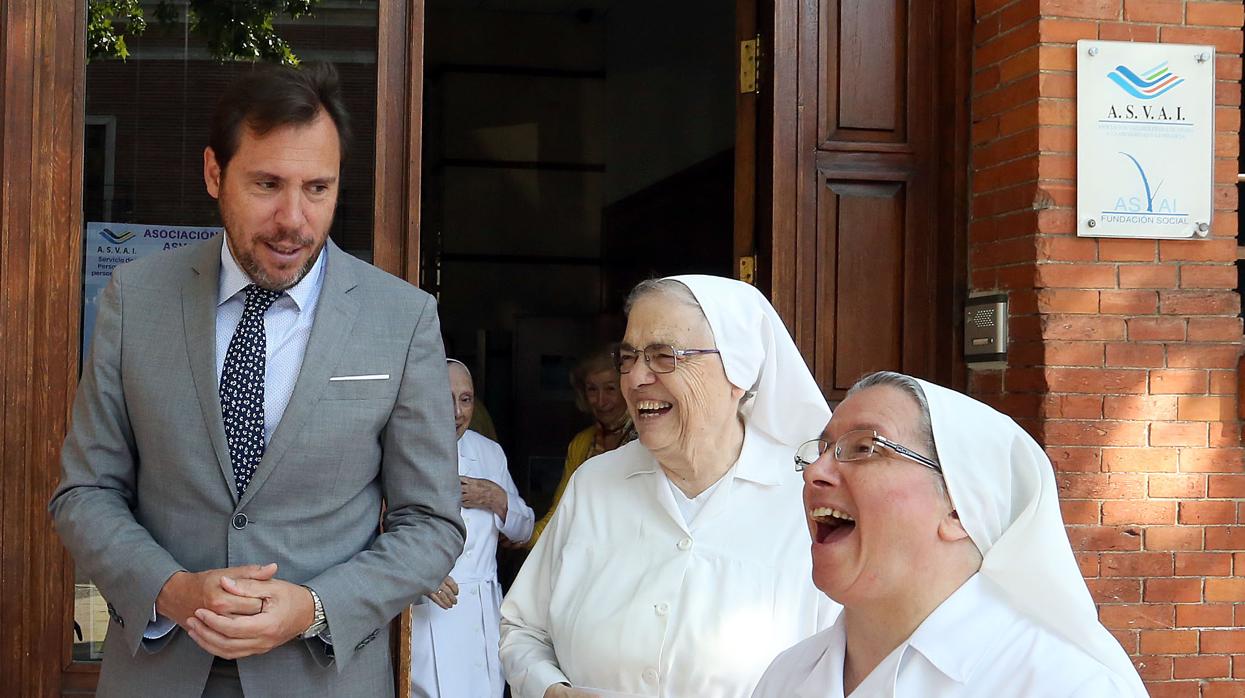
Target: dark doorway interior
{"x": 572, "y": 148}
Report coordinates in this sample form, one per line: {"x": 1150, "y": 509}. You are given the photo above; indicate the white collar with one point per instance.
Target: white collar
{"x": 754, "y": 463}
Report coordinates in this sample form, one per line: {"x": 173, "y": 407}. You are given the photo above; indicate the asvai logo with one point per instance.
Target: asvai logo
{"x": 1149, "y": 84}
{"x": 1145, "y": 206}
{"x": 114, "y": 238}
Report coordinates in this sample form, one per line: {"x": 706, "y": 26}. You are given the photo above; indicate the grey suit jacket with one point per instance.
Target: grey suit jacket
{"x": 147, "y": 488}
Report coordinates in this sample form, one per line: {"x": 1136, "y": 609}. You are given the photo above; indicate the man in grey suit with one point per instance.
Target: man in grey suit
{"x": 246, "y": 412}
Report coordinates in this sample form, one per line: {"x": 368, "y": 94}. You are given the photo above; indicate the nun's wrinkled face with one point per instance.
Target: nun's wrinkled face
{"x": 464, "y": 393}
{"x": 875, "y": 523}
{"x": 678, "y": 412}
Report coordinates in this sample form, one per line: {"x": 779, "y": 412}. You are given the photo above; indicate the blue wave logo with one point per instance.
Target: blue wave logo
{"x": 1149, "y": 84}
{"x": 115, "y": 238}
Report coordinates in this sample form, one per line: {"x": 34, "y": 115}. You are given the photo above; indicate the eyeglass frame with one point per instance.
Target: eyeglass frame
{"x": 878, "y": 439}
{"x": 677, "y": 352}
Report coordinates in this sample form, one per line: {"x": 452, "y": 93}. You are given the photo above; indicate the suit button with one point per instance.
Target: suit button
{"x": 239, "y": 521}
{"x": 685, "y": 544}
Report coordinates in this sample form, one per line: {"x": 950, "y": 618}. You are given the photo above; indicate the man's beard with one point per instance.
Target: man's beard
{"x": 247, "y": 262}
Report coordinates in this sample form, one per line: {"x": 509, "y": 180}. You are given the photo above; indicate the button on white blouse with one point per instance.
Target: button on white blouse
{"x": 620, "y": 594}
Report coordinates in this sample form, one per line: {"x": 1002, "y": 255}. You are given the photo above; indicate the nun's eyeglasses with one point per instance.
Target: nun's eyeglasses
{"x": 857, "y": 446}
{"x": 660, "y": 358}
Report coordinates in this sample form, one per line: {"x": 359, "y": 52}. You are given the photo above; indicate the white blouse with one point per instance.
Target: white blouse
{"x": 621, "y": 595}
{"x": 973, "y": 644}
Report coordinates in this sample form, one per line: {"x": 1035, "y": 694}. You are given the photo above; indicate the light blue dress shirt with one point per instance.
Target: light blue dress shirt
{"x": 287, "y": 326}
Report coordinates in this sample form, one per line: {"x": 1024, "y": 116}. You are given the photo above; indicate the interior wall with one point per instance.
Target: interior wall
{"x": 662, "y": 121}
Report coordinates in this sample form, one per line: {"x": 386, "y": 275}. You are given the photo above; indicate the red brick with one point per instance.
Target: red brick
{"x": 1071, "y": 407}
{"x": 1203, "y": 564}
{"x": 1149, "y": 407}
{"x": 1131, "y": 617}
{"x": 1178, "y": 434}
{"x": 1222, "y": 14}
{"x": 1205, "y": 250}
{"x": 1175, "y": 689}
{"x": 1078, "y": 275}
{"x": 1134, "y": 355}
{"x": 1198, "y": 302}
{"x": 1225, "y": 40}
{"x": 1101, "y": 485}
{"x": 1062, "y": 300}
{"x": 1018, "y": 66}
{"x": 1006, "y": 44}
{"x": 1177, "y": 382}
{"x": 1096, "y": 433}
{"x": 1203, "y": 615}
{"x": 1065, "y": 31}
{"x": 1140, "y": 460}
{"x": 1208, "y": 276}
{"x": 1203, "y": 667}
{"x": 1128, "y": 302}
{"x": 1126, "y": 250}
{"x": 1124, "y": 31}
{"x": 1136, "y": 564}
{"x": 1080, "y": 511}
{"x": 1168, "y": 11}
{"x": 1075, "y": 460}
{"x": 1203, "y": 356}
{"x": 1104, "y": 537}
{"x": 1215, "y": 329}
{"x": 1096, "y": 381}
{"x": 1173, "y": 538}
{"x": 1223, "y": 689}
{"x": 1114, "y": 590}
{"x": 1184, "y": 590}
{"x": 1056, "y": 353}
{"x": 1143, "y": 512}
{"x": 1223, "y": 641}
{"x": 1155, "y": 329}
{"x": 1210, "y": 460}
{"x": 1222, "y": 382}
{"x": 1225, "y": 435}
{"x": 1177, "y": 486}
{"x": 1147, "y": 276}
{"x": 1225, "y": 538}
{"x": 1169, "y": 641}
{"x": 1208, "y": 512}
{"x": 1205, "y": 408}
{"x": 1232, "y": 486}
{"x": 1152, "y": 668}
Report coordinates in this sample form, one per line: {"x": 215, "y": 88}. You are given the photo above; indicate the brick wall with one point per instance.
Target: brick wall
{"x": 1123, "y": 353}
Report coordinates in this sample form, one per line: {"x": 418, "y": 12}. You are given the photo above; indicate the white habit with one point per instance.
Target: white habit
{"x": 454, "y": 652}
{"x": 973, "y": 644}
{"x": 639, "y": 602}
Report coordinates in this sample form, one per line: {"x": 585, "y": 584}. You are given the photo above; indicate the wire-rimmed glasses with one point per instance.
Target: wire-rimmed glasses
{"x": 857, "y": 445}
{"x": 660, "y": 358}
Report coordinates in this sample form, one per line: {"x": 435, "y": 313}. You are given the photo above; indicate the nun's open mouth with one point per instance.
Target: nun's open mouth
{"x": 832, "y": 525}
{"x": 647, "y": 409}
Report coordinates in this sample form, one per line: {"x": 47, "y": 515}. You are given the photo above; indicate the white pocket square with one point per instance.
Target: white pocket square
{"x": 368, "y": 377}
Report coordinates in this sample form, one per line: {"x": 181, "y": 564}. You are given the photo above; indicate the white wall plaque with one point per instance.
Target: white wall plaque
{"x": 1145, "y": 128}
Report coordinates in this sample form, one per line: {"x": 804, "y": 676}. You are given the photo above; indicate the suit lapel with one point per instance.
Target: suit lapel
{"x": 199, "y": 317}
{"x": 335, "y": 317}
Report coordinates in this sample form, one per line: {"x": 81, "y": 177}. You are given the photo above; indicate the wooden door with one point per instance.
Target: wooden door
{"x": 866, "y": 219}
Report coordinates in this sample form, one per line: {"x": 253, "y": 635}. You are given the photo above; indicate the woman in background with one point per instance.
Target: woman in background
{"x": 595, "y": 381}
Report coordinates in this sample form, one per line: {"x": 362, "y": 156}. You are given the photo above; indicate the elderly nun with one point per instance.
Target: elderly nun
{"x": 674, "y": 565}
{"x": 935, "y": 522}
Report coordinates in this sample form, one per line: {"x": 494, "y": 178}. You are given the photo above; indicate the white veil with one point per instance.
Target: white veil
{"x": 1003, "y": 486}
{"x": 760, "y": 357}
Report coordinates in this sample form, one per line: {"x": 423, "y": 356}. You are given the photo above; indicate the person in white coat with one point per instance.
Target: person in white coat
{"x": 676, "y": 565}
{"x": 454, "y": 632}
{"x": 935, "y": 522}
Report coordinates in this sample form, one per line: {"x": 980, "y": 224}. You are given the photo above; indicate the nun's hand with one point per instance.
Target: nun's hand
{"x": 483, "y": 494}
{"x": 446, "y": 595}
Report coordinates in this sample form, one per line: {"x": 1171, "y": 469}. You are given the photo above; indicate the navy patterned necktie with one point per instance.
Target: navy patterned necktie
{"x": 242, "y": 387}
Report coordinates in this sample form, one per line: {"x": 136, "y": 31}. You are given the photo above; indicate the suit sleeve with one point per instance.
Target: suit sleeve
{"x": 423, "y": 532}
{"x": 92, "y": 507}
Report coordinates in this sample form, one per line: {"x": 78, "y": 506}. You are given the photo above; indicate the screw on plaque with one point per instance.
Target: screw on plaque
{"x": 1093, "y": 51}
{"x": 1091, "y": 223}
{"x": 1202, "y": 229}
{"x": 1202, "y": 57}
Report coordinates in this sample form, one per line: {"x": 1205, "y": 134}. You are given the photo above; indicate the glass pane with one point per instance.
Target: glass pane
{"x": 146, "y": 127}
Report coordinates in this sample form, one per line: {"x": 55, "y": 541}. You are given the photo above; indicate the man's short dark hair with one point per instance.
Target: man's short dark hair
{"x": 271, "y": 96}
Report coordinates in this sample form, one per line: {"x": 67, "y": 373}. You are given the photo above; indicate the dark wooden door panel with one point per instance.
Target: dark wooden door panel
{"x": 860, "y": 304}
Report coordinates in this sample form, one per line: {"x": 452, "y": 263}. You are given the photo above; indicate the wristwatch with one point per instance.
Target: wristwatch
{"x": 319, "y": 623}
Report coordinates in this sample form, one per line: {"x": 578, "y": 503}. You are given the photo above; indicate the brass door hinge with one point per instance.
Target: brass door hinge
{"x": 750, "y": 65}
{"x": 747, "y": 269}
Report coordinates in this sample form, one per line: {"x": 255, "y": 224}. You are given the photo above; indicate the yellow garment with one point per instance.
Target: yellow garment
{"x": 576, "y": 453}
